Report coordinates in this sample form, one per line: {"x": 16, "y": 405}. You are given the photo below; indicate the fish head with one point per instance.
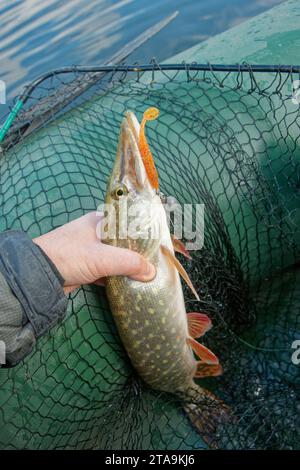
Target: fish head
{"x": 133, "y": 205}
{"x": 129, "y": 177}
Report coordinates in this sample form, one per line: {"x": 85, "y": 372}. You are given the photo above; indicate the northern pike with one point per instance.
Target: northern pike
{"x": 157, "y": 332}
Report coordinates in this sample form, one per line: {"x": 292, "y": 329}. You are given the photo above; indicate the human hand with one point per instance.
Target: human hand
{"x": 81, "y": 258}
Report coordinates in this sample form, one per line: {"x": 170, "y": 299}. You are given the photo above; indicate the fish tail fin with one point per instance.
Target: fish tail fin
{"x": 208, "y": 414}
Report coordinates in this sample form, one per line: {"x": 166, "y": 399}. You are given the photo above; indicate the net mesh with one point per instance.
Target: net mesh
{"x": 228, "y": 140}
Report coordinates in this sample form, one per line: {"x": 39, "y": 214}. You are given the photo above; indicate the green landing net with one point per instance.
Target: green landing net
{"x": 227, "y": 137}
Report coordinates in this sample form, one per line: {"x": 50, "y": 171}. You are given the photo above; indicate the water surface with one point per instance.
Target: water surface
{"x": 37, "y": 36}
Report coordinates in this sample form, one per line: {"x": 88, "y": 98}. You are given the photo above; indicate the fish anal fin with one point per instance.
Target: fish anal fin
{"x": 198, "y": 323}
{"x": 174, "y": 261}
{"x": 208, "y": 370}
{"x": 179, "y": 246}
{"x": 203, "y": 353}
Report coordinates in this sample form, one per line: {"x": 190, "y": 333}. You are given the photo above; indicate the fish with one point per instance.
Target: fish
{"x": 160, "y": 337}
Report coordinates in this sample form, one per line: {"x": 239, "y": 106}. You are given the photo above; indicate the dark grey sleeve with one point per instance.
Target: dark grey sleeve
{"x": 32, "y": 299}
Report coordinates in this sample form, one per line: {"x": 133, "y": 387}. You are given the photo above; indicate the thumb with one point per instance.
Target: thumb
{"x": 124, "y": 262}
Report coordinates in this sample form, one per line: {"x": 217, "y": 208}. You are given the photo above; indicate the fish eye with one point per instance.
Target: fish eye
{"x": 120, "y": 191}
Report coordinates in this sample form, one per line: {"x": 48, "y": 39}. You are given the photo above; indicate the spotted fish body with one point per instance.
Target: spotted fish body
{"x": 150, "y": 316}
{"x": 152, "y": 323}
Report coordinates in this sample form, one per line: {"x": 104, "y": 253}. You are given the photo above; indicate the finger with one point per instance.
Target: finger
{"x": 100, "y": 282}
{"x": 121, "y": 261}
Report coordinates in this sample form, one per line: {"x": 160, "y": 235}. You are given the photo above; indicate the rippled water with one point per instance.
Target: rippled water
{"x": 37, "y": 36}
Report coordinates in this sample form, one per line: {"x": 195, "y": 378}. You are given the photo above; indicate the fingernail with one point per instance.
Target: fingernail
{"x": 150, "y": 272}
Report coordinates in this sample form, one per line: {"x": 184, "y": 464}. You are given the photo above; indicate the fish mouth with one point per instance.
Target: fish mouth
{"x": 133, "y": 124}
{"x": 129, "y": 168}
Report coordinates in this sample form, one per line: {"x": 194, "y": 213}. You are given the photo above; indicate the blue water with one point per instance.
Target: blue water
{"x": 37, "y": 36}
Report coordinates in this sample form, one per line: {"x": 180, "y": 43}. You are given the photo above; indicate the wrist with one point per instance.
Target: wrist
{"x": 32, "y": 280}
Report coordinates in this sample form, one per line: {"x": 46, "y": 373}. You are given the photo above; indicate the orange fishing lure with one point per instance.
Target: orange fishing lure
{"x": 149, "y": 115}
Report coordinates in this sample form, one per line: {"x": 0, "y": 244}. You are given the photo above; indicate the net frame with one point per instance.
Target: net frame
{"x": 235, "y": 292}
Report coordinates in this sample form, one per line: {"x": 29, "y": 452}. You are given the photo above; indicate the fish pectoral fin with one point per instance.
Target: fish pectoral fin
{"x": 180, "y": 247}
{"x": 174, "y": 262}
{"x": 198, "y": 323}
{"x": 208, "y": 370}
{"x": 202, "y": 352}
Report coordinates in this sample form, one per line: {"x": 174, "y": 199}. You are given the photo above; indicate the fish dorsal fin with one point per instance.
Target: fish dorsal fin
{"x": 180, "y": 247}
{"x": 174, "y": 262}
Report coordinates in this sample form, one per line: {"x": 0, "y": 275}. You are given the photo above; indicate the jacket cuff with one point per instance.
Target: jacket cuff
{"x": 34, "y": 280}
{"x": 20, "y": 346}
